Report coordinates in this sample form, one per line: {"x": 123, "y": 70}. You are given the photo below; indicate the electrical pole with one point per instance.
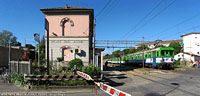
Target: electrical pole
{"x": 39, "y": 53}
{"x": 94, "y": 43}
{"x": 143, "y": 51}
{"x": 37, "y": 38}
{"x": 9, "y": 59}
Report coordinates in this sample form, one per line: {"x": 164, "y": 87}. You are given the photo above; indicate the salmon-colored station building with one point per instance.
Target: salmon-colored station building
{"x": 70, "y": 33}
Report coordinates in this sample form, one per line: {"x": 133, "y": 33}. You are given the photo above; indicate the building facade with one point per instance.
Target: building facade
{"x": 191, "y": 47}
{"x": 152, "y": 45}
{"x": 191, "y": 43}
{"x": 70, "y": 33}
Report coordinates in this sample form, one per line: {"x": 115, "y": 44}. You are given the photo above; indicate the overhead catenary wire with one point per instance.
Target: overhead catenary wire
{"x": 181, "y": 31}
{"x": 152, "y": 18}
{"x": 109, "y": 9}
{"x": 103, "y": 8}
{"x": 107, "y": 6}
{"x": 174, "y": 26}
{"x": 148, "y": 14}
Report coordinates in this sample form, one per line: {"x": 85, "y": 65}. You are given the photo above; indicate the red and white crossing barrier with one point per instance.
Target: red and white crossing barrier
{"x": 108, "y": 89}
{"x": 111, "y": 90}
{"x": 86, "y": 76}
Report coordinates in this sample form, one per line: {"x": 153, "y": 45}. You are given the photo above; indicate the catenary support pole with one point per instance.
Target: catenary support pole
{"x": 143, "y": 51}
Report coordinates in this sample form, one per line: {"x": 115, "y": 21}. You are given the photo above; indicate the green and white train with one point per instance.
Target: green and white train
{"x": 162, "y": 57}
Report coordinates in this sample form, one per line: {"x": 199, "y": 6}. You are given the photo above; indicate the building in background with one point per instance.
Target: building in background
{"x": 70, "y": 33}
{"x": 17, "y": 53}
{"x": 191, "y": 47}
{"x": 152, "y": 45}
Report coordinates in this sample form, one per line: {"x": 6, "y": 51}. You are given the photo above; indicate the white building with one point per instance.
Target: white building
{"x": 191, "y": 47}
{"x": 191, "y": 43}
{"x": 187, "y": 56}
{"x": 152, "y": 45}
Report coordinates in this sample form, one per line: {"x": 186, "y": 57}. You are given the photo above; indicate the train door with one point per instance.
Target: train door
{"x": 154, "y": 59}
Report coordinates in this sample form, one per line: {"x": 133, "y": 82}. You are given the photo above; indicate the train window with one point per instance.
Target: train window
{"x": 157, "y": 55}
{"x": 149, "y": 55}
{"x": 154, "y": 53}
{"x": 162, "y": 53}
{"x": 171, "y": 53}
{"x": 167, "y": 53}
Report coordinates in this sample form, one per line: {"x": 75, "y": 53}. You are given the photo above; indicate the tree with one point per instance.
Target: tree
{"x": 132, "y": 51}
{"x": 42, "y": 51}
{"x": 143, "y": 46}
{"x": 126, "y": 51}
{"x": 29, "y": 46}
{"x": 117, "y": 53}
{"x": 107, "y": 56}
{"x": 176, "y": 46}
{"x": 6, "y": 37}
{"x": 158, "y": 45}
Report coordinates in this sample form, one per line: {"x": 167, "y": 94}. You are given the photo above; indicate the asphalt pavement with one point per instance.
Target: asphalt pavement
{"x": 183, "y": 83}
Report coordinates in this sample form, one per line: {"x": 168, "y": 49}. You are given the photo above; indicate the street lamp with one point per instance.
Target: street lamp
{"x": 37, "y": 38}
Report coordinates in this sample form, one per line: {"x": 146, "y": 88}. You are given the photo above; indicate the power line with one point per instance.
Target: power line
{"x": 170, "y": 28}
{"x": 153, "y": 17}
{"x": 182, "y": 31}
{"x": 109, "y": 9}
{"x": 150, "y": 12}
{"x": 103, "y": 8}
{"x": 99, "y": 14}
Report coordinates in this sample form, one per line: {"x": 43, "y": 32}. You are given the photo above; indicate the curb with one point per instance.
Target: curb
{"x": 44, "y": 93}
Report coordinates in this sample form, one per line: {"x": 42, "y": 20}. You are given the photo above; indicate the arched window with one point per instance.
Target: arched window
{"x": 62, "y": 24}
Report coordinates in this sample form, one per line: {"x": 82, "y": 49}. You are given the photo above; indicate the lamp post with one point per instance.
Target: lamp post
{"x": 37, "y": 38}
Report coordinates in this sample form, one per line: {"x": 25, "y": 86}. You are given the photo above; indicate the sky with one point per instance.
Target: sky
{"x": 115, "y": 19}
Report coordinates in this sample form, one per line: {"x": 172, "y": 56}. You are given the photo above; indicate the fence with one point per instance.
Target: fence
{"x": 21, "y": 67}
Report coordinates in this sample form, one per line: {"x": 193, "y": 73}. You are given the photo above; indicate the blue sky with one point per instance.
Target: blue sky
{"x": 117, "y": 21}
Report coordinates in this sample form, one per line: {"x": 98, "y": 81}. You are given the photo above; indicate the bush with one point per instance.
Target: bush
{"x": 92, "y": 70}
{"x": 177, "y": 63}
{"x": 69, "y": 83}
{"x": 77, "y": 62}
{"x": 60, "y": 59}
{"x": 18, "y": 79}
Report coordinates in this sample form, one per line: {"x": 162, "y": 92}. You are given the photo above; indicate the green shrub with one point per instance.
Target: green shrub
{"x": 69, "y": 83}
{"x": 92, "y": 70}
{"x": 18, "y": 79}
{"x": 77, "y": 62}
{"x": 177, "y": 63}
{"x": 60, "y": 59}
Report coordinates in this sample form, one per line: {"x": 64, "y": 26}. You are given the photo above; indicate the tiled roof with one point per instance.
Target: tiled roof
{"x": 66, "y": 8}
{"x": 162, "y": 42}
{"x": 190, "y": 33}
{"x": 190, "y": 54}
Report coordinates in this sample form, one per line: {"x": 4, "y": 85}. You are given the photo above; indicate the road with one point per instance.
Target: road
{"x": 184, "y": 83}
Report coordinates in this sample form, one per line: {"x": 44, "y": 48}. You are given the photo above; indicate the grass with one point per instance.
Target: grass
{"x": 69, "y": 83}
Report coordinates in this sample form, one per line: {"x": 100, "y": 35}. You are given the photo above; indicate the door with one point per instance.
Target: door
{"x": 154, "y": 59}
{"x": 67, "y": 55}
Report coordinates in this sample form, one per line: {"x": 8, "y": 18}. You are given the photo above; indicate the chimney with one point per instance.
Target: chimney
{"x": 66, "y": 6}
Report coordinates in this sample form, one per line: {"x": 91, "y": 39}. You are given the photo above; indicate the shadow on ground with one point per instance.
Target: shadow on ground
{"x": 113, "y": 83}
{"x": 120, "y": 67}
